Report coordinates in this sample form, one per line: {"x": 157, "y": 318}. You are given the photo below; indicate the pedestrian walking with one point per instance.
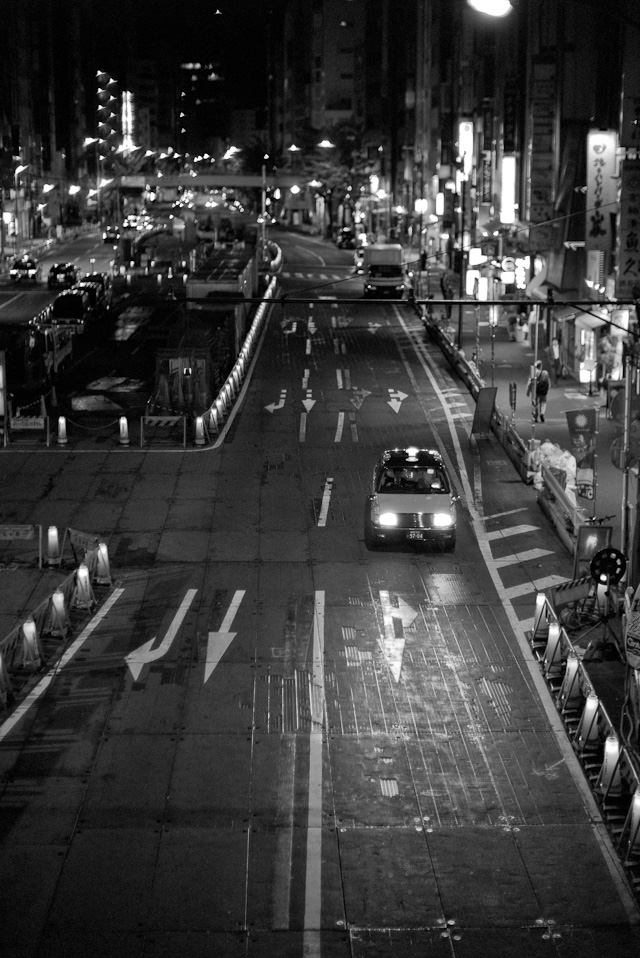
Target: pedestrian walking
{"x": 537, "y": 388}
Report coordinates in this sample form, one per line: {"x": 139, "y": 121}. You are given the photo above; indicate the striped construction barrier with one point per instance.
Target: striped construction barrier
{"x": 609, "y": 764}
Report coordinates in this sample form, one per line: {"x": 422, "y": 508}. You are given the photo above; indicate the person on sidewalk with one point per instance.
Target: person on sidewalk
{"x": 537, "y": 388}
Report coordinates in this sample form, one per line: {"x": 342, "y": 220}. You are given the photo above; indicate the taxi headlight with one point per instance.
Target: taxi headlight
{"x": 388, "y": 519}
{"x": 442, "y": 519}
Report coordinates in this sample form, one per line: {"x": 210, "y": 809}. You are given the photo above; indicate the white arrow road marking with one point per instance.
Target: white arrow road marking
{"x": 219, "y": 642}
{"x": 373, "y": 327}
{"x": 395, "y": 620}
{"x": 137, "y": 659}
{"x": 291, "y": 328}
{"x": 396, "y": 399}
{"x": 308, "y": 403}
{"x": 308, "y": 348}
{"x": 277, "y": 405}
{"x": 339, "y": 427}
{"x": 359, "y": 396}
{"x": 326, "y": 498}
{"x": 7, "y": 727}
{"x": 305, "y": 379}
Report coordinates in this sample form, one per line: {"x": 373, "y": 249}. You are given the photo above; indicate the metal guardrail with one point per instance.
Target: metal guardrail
{"x": 611, "y": 768}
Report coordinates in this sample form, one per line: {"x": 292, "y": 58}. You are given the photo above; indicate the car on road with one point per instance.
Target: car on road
{"x": 411, "y": 500}
{"x": 63, "y": 276}
{"x": 25, "y": 269}
{"x": 110, "y": 234}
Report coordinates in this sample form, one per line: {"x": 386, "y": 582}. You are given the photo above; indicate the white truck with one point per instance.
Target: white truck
{"x": 385, "y": 273}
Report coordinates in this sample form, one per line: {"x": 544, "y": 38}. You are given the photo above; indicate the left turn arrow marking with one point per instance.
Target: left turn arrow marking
{"x": 137, "y": 659}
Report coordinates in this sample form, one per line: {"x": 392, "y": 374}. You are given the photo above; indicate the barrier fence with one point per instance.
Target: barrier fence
{"x": 29, "y": 645}
{"x": 611, "y": 767}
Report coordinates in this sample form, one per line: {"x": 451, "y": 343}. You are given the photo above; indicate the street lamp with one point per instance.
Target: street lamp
{"x": 492, "y": 8}
{"x": 16, "y": 173}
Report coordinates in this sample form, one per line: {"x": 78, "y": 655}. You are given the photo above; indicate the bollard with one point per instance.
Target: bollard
{"x": 62, "y": 431}
{"x": 633, "y": 845}
{"x": 31, "y": 658}
{"x": 43, "y": 407}
{"x": 570, "y": 694}
{"x": 57, "y": 619}
{"x": 53, "y": 547}
{"x": 124, "y": 431}
{"x": 552, "y": 661}
{"x": 609, "y": 780}
{"x": 199, "y": 431}
{"x": 540, "y": 631}
{"x": 103, "y": 573}
{"x": 588, "y": 733}
{"x": 83, "y": 597}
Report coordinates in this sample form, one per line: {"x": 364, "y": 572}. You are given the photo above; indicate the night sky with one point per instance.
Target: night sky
{"x": 236, "y": 38}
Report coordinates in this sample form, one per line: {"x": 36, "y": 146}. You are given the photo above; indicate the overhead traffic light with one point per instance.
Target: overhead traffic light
{"x": 108, "y": 113}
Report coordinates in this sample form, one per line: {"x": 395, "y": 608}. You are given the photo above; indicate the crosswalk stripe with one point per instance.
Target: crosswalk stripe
{"x": 517, "y": 557}
{"x": 537, "y": 585}
{"x": 511, "y": 531}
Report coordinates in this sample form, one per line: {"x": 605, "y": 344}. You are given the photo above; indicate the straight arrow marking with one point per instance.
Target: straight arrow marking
{"x": 395, "y": 620}
{"x": 137, "y": 659}
{"x": 219, "y": 642}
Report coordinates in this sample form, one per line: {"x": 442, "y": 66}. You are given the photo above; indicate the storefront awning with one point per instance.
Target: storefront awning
{"x": 563, "y": 313}
{"x": 586, "y": 321}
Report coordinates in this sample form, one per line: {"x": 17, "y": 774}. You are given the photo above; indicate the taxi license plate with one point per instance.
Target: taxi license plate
{"x": 416, "y": 534}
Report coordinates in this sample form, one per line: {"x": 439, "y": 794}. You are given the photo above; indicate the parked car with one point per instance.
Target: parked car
{"x": 25, "y": 269}
{"x": 95, "y": 296}
{"x": 411, "y": 500}
{"x": 63, "y": 276}
{"x": 71, "y": 308}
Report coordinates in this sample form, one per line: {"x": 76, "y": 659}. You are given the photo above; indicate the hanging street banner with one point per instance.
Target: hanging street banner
{"x": 583, "y": 430}
{"x": 628, "y": 273}
{"x": 602, "y": 189}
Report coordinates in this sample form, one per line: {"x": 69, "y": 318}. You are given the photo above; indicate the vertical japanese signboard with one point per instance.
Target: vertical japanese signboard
{"x": 583, "y": 432}
{"x": 542, "y": 151}
{"x": 628, "y": 274}
{"x": 602, "y": 189}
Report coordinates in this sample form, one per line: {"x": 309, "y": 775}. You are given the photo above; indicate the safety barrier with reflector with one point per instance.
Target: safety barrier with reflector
{"x": 37, "y": 638}
{"x": 609, "y": 765}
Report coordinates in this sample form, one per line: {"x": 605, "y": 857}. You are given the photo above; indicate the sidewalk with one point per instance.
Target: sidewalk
{"x": 511, "y": 363}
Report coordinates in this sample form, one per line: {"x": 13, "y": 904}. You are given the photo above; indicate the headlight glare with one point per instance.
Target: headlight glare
{"x": 442, "y": 519}
{"x": 388, "y": 519}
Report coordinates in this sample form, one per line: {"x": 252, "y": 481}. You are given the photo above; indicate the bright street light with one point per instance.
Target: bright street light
{"x": 492, "y": 8}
